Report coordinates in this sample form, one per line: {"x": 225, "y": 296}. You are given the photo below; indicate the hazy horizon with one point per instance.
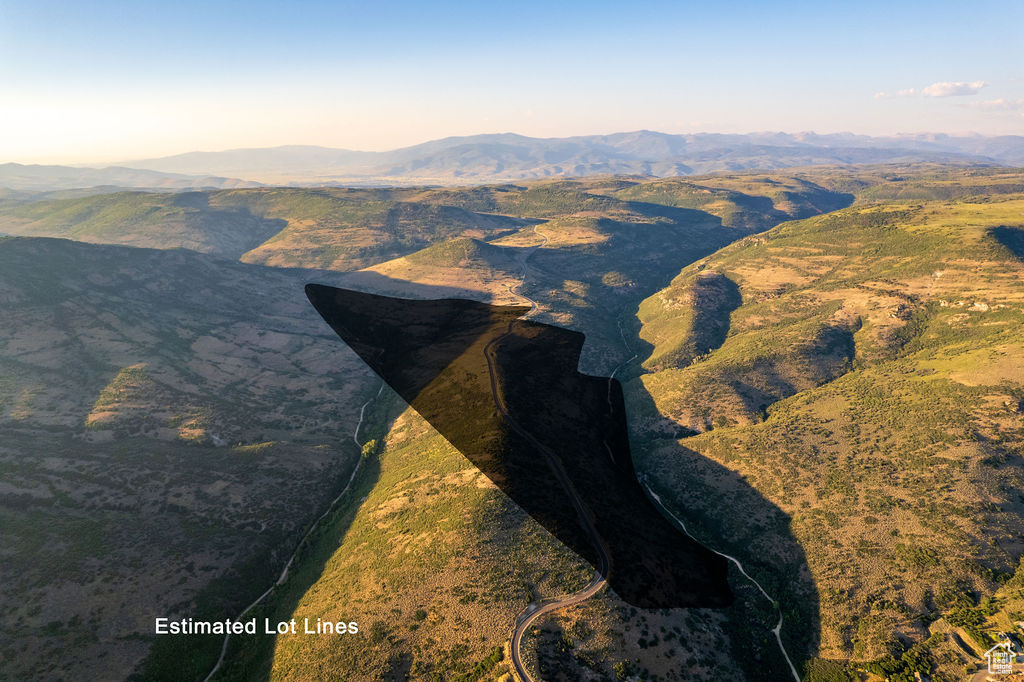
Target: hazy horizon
{"x": 98, "y": 83}
{"x": 99, "y": 162}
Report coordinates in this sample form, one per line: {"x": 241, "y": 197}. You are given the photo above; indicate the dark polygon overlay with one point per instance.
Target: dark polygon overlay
{"x": 507, "y": 394}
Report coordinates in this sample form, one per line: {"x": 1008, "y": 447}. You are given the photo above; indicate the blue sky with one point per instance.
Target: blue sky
{"x": 86, "y": 81}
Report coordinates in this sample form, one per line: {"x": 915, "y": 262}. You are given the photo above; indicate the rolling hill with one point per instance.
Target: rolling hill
{"x": 349, "y": 229}
{"x": 826, "y": 386}
{"x": 335, "y": 228}
{"x": 861, "y": 370}
{"x": 178, "y": 398}
{"x": 151, "y": 220}
{"x": 39, "y": 178}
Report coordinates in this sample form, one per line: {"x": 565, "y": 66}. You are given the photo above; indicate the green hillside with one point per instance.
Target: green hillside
{"x": 436, "y": 562}
{"x": 190, "y": 220}
{"x": 348, "y": 229}
{"x": 181, "y": 356}
{"x": 870, "y": 387}
{"x": 835, "y": 401}
{"x": 754, "y": 202}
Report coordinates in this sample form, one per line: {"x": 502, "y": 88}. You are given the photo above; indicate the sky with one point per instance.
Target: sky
{"x": 90, "y": 82}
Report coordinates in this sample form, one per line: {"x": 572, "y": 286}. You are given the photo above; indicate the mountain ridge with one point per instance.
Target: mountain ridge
{"x": 42, "y": 177}
{"x": 509, "y": 156}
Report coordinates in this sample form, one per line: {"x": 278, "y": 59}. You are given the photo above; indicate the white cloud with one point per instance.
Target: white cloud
{"x": 944, "y": 89}
{"x": 953, "y": 89}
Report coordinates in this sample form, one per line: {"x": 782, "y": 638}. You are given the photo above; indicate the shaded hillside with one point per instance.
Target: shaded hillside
{"x": 170, "y": 425}
{"x": 688, "y": 319}
{"x": 349, "y": 229}
{"x": 870, "y": 386}
{"x": 187, "y": 220}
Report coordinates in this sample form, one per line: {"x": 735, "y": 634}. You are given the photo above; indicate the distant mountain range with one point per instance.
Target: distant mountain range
{"x": 35, "y": 178}
{"x": 494, "y": 158}
{"x": 509, "y": 157}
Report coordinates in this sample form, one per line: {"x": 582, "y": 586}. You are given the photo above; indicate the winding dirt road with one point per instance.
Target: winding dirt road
{"x": 777, "y": 630}
{"x": 597, "y": 583}
{"x": 535, "y": 611}
{"x": 287, "y": 566}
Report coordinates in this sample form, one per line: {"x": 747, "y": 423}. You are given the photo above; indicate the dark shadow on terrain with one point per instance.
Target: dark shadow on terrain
{"x": 506, "y": 392}
{"x": 725, "y": 513}
{"x": 715, "y": 298}
{"x": 1012, "y": 238}
{"x": 232, "y": 230}
{"x": 554, "y": 657}
{"x": 719, "y": 506}
{"x": 440, "y": 356}
{"x": 400, "y": 667}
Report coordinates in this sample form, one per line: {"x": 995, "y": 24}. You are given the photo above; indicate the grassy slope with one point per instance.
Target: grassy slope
{"x": 870, "y": 387}
{"x": 462, "y": 267}
{"x": 754, "y": 201}
{"x": 348, "y": 229}
{"x": 171, "y": 354}
{"x": 170, "y": 423}
{"x": 192, "y": 220}
{"x": 597, "y": 256}
{"x": 609, "y": 243}
{"x": 335, "y": 228}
